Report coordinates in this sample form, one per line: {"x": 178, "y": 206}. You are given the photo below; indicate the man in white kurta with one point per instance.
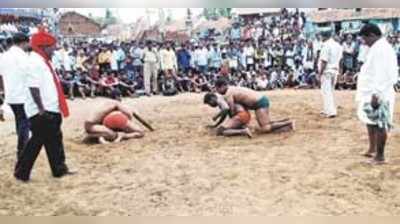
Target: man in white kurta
{"x": 330, "y": 57}
{"x": 375, "y": 89}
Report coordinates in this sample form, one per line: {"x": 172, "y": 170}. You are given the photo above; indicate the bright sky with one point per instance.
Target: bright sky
{"x": 129, "y": 15}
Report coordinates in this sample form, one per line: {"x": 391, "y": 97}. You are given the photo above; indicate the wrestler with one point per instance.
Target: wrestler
{"x": 252, "y": 100}
{"x": 113, "y": 122}
{"x": 236, "y": 125}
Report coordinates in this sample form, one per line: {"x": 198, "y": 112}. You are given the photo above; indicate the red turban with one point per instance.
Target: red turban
{"x": 42, "y": 38}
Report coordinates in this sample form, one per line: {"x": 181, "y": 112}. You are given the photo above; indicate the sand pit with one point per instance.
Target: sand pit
{"x": 182, "y": 169}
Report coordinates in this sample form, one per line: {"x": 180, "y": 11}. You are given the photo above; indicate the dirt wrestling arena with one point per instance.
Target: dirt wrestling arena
{"x": 183, "y": 169}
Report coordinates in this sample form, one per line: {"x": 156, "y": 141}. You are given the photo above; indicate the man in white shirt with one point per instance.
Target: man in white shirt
{"x": 4, "y": 46}
{"x": 201, "y": 59}
{"x": 150, "y": 69}
{"x": 44, "y": 106}
{"x": 375, "y": 92}
{"x": 114, "y": 59}
{"x": 14, "y": 67}
{"x": 362, "y": 54}
{"x": 168, "y": 60}
{"x": 67, "y": 60}
{"x": 249, "y": 52}
{"x": 330, "y": 56}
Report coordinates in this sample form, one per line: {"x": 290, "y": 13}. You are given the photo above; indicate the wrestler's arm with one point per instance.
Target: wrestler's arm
{"x": 231, "y": 104}
{"x": 222, "y": 115}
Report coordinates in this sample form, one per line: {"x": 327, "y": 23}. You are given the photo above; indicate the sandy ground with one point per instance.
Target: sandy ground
{"x": 182, "y": 169}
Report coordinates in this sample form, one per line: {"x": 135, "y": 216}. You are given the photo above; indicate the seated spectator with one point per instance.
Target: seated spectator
{"x": 183, "y": 81}
{"x": 200, "y": 84}
{"x": 109, "y": 84}
{"x": 127, "y": 86}
{"x": 169, "y": 86}
{"x": 262, "y": 83}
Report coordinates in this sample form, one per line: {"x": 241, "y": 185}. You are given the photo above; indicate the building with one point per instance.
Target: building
{"x": 73, "y": 24}
{"x": 351, "y": 20}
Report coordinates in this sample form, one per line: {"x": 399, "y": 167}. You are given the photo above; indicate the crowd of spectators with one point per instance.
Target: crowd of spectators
{"x": 261, "y": 53}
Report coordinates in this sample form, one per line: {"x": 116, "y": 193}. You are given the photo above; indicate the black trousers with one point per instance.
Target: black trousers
{"x": 46, "y": 131}
{"x": 21, "y": 126}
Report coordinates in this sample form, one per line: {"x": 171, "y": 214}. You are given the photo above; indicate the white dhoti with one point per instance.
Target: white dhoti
{"x": 377, "y": 76}
{"x": 328, "y": 80}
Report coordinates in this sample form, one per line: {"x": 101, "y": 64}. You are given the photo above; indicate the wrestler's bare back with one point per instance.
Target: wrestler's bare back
{"x": 98, "y": 115}
{"x": 243, "y": 96}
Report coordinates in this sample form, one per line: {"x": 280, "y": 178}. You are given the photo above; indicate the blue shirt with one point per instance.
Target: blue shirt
{"x": 235, "y": 33}
{"x": 183, "y": 57}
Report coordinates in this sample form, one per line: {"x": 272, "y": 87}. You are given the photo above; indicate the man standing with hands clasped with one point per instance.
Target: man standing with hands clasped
{"x": 375, "y": 90}
{"x": 44, "y": 107}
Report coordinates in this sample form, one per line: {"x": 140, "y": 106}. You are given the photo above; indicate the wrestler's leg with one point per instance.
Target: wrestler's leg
{"x": 234, "y": 127}
{"x": 266, "y": 126}
{"x": 101, "y": 132}
{"x": 132, "y": 131}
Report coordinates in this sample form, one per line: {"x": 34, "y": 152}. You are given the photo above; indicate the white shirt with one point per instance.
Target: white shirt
{"x": 67, "y": 60}
{"x": 201, "y": 56}
{"x": 262, "y": 83}
{"x": 331, "y": 53}
{"x": 249, "y": 53}
{"x": 114, "y": 58}
{"x": 168, "y": 59}
{"x": 41, "y": 77}
{"x": 362, "y": 55}
{"x": 13, "y": 68}
{"x": 317, "y": 45}
{"x": 379, "y": 72}
{"x": 57, "y": 59}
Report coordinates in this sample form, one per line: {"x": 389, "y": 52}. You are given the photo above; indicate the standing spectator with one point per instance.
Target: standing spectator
{"x": 67, "y": 59}
{"x": 249, "y": 53}
{"x": 114, "y": 58}
{"x": 103, "y": 60}
{"x": 201, "y": 59}
{"x": 120, "y": 56}
{"x": 183, "y": 57}
{"x": 168, "y": 60}
{"x": 44, "y": 107}
{"x": 348, "y": 54}
{"x": 362, "y": 54}
{"x": 215, "y": 58}
{"x": 331, "y": 54}
{"x": 137, "y": 56}
{"x": 235, "y": 32}
{"x": 309, "y": 57}
{"x": 289, "y": 56}
{"x": 375, "y": 93}
{"x": 14, "y": 67}
{"x": 150, "y": 58}
{"x": 80, "y": 60}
